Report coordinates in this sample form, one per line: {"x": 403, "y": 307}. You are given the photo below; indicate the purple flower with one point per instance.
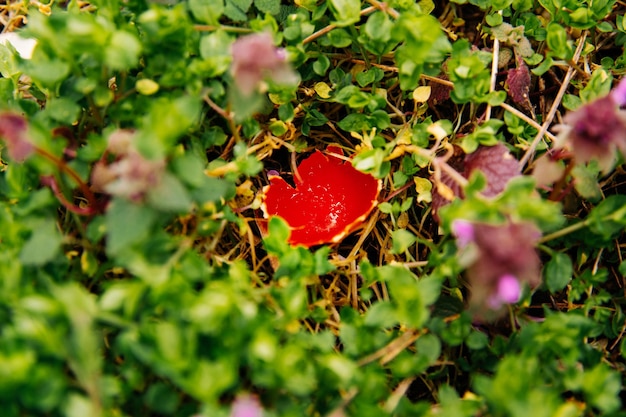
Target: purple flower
{"x": 503, "y": 258}
{"x": 255, "y": 58}
{"x": 618, "y": 94}
{"x": 134, "y": 176}
{"x": 246, "y": 406}
{"x": 463, "y": 232}
{"x": 14, "y": 131}
{"x": 131, "y": 175}
{"x": 597, "y": 130}
{"x": 508, "y": 291}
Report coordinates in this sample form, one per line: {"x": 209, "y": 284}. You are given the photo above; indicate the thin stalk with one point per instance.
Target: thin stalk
{"x": 555, "y": 105}
{"x": 82, "y": 186}
{"x": 323, "y": 31}
{"x": 565, "y": 231}
{"x": 494, "y": 71}
{"x": 527, "y": 119}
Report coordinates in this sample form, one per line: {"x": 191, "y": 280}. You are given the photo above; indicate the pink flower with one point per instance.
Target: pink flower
{"x": 618, "y": 94}
{"x": 597, "y": 130}
{"x": 131, "y": 175}
{"x": 508, "y": 291}
{"x": 503, "y": 257}
{"x": 255, "y": 58}
{"x": 134, "y": 176}
{"x": 14, "y": 131}
{"x": 246, "y": 406}
{"x": 463, "y": 231}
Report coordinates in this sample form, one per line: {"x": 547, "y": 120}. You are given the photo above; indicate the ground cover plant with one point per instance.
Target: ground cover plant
{"x": 313, "y": 208}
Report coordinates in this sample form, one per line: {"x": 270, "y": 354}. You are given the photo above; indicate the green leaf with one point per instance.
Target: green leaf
{"x": 543, "y": 67}
{"x": 286, "y": 112}
{"x": 402, "y": 240}
{"x": 43, "y": 244}
{"x": 123, "y": 51}
{"x": 88, "y": 263}
{"x": 162, "y": 398}
{"x": 411, "y": 296}
{"x": 237, "y": 9}
{"x": 215, "y": 50}
{"x": 369, "y": 76}
{"x": 207, "y": 11}
{"x": 321, "y": 65}
{"x": 602, "y": 386}
{"x": 557, "y": 41}
{"x": 278, "y": 234}
{"x": 170, "y": 195}
{"x": 166, "y": 121}
{"x": 346, "y": 12}
{"x": 494, "y": 19}
{"x": 339, "y": 38}
{"x": 63, "y": 110}
{"x": 558, "y": 272}
{"x": 608, "y": 218}
{"x": 381, "y": 314}
{"x": 599, "y": 85}
{"x": 429, "y": 347}
{"x": 571, "y": 101}
{"x": 355, "y": 122}
{"x": 8, "y": 67}
{"x": 127, "y": 223}
{"x": 47, "y": 71}
{"x": 268, "y": 6}
{"x": 476, "y": 340}
{"x": 77, "y": 405}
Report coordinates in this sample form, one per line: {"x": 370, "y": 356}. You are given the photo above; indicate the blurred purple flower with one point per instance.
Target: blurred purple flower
{"x": 255, "y": 58}
{"x": 134, "y": 176}
{"x": 463, "y": 232}
{"x": 618, "y": 94}
{"x": 508, "y": 291}
{"x": 495, "y": 162}
{"x": 503, "y": 258}
{"x": 597, "y": 130}
{"x": 246, "y": 406}
{"x": 14, "y": 130}
{"x": 131, "y": 175}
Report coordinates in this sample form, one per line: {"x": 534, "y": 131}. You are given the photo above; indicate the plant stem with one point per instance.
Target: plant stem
{"x": 555, "y": 105}
{"x": 323, "y": 31}
{"x": 225, "y": 28}
{"x": 494, "y": 71}
{"x": 565, "y": 231}
{"x": 82, "y": 186}
{"x": 527, "y": 119}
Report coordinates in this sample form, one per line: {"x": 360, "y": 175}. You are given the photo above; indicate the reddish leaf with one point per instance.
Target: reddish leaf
{"x": 330, "y": 200}
{"x": 518, "y": 81}
{"x": 496, "y": 163}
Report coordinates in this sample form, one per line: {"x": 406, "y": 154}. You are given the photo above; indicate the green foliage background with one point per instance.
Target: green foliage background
{"x": 176, "y": 306}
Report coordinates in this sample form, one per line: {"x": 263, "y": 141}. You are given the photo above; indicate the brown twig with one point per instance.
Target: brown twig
{"x": 323, "y": 31}
{"x": 555, "y": 105}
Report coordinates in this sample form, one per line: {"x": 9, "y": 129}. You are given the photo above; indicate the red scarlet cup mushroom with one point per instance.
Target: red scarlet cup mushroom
{"x": 331, "y": 198}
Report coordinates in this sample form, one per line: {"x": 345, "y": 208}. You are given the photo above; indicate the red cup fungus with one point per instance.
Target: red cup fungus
{"x": 330, "y": 200}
